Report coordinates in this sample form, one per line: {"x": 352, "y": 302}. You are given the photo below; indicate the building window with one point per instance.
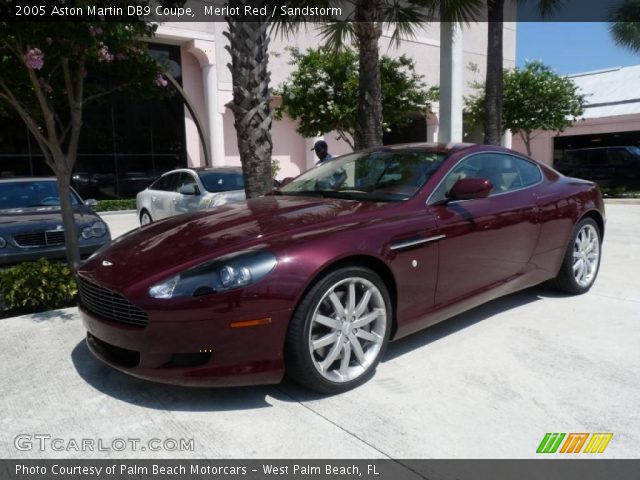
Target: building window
{"x": 126, "y": 142}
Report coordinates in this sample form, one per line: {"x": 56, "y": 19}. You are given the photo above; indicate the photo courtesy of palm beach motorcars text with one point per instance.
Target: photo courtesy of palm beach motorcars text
{"x": 112, "y": 471}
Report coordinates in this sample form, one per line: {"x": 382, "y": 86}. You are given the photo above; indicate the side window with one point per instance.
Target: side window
{"x": 165, "y": 183}
{"x": 505, "y": 172}
{"x": 185, "y": 179}
{"x": 529, "y": 172}
{"x": 620, "y": 157}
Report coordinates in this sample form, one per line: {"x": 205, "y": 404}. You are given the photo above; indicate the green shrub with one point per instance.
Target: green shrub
{"x": 619, "y": 192}
{"x": 37, "y": 286}
{"x": 111, "y": 205}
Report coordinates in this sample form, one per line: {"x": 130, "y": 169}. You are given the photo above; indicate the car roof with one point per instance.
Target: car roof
{"x": 422, "y": 146}
{"x": 26, "y": 179}
{"x": 205, "y": 170}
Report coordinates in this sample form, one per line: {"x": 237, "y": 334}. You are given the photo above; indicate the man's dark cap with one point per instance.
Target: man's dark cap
{"x": 319, "y": 143}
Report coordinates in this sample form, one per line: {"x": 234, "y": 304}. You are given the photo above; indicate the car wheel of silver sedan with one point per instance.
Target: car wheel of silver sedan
{"x": 582, "y": 259}
{"x": 145, "y": 218}
{"x": 339, "y": 331}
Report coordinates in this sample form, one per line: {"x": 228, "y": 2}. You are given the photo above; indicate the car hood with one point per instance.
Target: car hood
{"x": 172, "y": 245}
{"x": 42, "y": 218}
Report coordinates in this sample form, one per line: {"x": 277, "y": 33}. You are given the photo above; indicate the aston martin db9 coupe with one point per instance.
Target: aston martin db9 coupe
{"x": 315, "y": 279}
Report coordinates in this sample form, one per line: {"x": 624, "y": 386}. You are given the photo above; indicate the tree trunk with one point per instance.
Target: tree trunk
{"x": 526, "y": 137}
{"x": 368, "y": 30}
{"x": 495, "y": 74}
{"x": 248, "y": 46}
{"x": 68, "y": 221}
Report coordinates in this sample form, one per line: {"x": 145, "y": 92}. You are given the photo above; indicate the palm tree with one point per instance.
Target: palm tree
{"x": 624, "y": 29}
{"x": 248, "y": 47}
{"x": 495, "y": 70}
{"x": 494, "y": 84}
{"x": 370, "y": 17}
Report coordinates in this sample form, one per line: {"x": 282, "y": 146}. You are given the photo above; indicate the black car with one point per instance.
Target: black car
{"x": 607, "y": 166}
{"x": 31, "y": 222}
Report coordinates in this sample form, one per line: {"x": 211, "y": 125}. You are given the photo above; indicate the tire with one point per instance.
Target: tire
{"x": 331, "y": 352}
{"x": 145, "y": 218}
{"x": 581, "y": 261}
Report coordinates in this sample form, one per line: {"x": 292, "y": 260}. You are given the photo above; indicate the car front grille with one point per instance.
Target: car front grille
{"x": 109, "y": 305}
{"x": 40, "y": 239}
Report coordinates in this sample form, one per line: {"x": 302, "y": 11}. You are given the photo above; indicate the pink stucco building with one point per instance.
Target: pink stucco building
{"x": 611, "y": 117}
{"x": 207, "y": 80}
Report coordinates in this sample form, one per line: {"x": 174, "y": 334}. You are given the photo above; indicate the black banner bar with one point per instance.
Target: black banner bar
{"x": 283, "y": 10}
{"x": 565, "y": 469}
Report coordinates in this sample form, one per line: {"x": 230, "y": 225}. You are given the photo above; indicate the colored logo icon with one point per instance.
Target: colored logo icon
{"x": 573, "y": 443}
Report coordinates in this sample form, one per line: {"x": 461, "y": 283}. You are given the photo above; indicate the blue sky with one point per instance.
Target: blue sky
{"x": 570, "y": 47}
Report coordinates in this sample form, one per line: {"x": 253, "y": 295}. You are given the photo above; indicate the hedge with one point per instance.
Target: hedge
{"x": 111, "y": 205}
{"x": 36, "y": 286}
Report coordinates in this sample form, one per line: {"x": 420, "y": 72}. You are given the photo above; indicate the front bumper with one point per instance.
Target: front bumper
{"x": 205, "y": 352}
{"x": 14, "y": 256}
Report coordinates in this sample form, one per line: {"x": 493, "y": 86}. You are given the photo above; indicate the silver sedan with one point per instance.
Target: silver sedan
{"x": 189, "y": 189}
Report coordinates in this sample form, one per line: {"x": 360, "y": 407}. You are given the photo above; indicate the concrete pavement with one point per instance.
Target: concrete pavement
{"x": 486, "y": 384}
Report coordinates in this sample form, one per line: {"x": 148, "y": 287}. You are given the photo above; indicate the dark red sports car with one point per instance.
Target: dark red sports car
{"x": 314, "y": 280}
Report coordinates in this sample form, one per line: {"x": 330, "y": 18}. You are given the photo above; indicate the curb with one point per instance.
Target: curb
{"x": 622, "y": 201}
{"x": 115, "y": 212}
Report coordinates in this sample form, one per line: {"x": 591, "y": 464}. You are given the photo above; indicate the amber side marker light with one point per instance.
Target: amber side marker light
{"x": 250, "y": 323}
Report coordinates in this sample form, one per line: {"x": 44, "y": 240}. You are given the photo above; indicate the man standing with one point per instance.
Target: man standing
{"x": 322, "y": 152}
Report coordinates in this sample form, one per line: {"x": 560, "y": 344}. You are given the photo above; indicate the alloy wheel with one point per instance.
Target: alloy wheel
{"x": 348, "y": 329}
{"x": 586, "y": 255}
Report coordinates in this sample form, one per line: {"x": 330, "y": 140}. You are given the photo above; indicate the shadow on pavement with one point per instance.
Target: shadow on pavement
{"x": 54, "y": 315}
{"x": 454, "y": 324}
{"x": 292, "y": 392}
{"x": 169, "y": 397}
{"x": 161, "y": 396}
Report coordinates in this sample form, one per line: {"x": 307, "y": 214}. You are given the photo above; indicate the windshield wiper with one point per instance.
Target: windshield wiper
{"x": 310, "y": 193}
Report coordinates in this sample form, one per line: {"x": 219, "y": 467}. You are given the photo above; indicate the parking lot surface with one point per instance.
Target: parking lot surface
{"x": 486, "y": 384}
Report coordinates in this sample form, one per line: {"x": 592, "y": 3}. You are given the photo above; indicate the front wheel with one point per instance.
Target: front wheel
{"x": 339, "y": 331}
{"x": 145, "y": 218}
{"x": 582, "y": 259}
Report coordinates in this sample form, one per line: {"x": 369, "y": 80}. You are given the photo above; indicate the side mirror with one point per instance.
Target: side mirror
{"x": 470, "y": 188}
{"x": 188, "y": 190}
{"x": 91, "y": 202}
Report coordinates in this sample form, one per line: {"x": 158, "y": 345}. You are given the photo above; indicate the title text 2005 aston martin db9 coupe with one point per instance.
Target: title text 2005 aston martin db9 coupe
{"x": 314, "y": 280}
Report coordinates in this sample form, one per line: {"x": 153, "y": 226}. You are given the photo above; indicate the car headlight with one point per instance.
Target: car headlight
{"x": 3, "y": 242}
{"x": 97, "y": 229}
{"x": 220, "y": 275}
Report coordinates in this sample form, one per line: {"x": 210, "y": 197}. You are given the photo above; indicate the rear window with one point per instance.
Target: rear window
{"x": 221, "y": 181}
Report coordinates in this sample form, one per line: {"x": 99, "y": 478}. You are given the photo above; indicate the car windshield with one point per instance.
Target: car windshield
{"x": 381, "y": 176}
{"x": 37, "y": 193}
{"x": 221, "y": 181}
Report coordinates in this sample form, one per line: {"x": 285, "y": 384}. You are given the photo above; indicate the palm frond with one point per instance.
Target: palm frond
{"x": 461, "y": 11}
{"x": 626, "y": 34}
{"x": 624, "y": 27}
{"x": 547, "y": 7}
{"x": 336, "y": 35}
{"x": 405, "y": 18}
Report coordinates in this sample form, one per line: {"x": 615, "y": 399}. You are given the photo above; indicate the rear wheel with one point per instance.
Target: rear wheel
{"x": 339, "y": 331}
{"x": 145, "y": 218}
{"x": 582, "y": 259}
